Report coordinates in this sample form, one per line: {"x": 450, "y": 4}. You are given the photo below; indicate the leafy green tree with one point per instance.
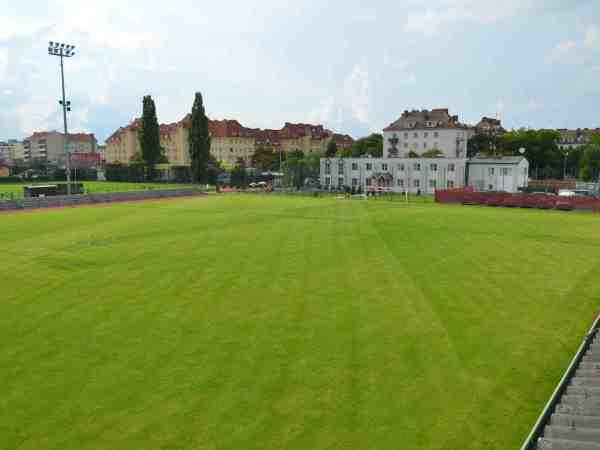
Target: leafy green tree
{"x": 331, "y": 149}
{"x": 346, "y": 152}
{"x": 239, "y": 174}
{"x": 199, "y": 140}
{"x": 295, "y": 169}
{"x": 413, "y": 154}
{"x": 265, "y": 158}
{"x": 150, "y": 135}
{"x": 541, "y": 150}
{"x": 369, "y": 145}
{"x": 432, "y": 153}
{"x": 590, "y": 162}
{"x": 479, "y": 144}
{"x": 312, "y": 165}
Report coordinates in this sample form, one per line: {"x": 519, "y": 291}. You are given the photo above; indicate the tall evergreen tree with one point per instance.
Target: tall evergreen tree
{"x": 150, "y": 134}
{"x": 331, "y": 149}
{"x": 199, "y": 142}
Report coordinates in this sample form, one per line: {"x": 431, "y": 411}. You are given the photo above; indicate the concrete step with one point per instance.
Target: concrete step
{"x": 589, "y": 365}
{"x": 581, "y": 372}
{"x": 570, "y": 434}
{"x": 591, "y": 357}
{"x": 578, "y": 399}
{"x": 583, "y": 407}
{"x": 566, "y": 420}
{"x": 585, "y": 381}
{"x": 563, "y": 444}
{"x": 583, "y": 390}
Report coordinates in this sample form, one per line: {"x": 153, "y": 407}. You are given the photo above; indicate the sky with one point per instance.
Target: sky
{"x": 351, "y": 65}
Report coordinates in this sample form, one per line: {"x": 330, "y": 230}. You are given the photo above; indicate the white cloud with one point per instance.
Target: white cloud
{"x": 3, "y": 64}
{"x": 592, "y": 37}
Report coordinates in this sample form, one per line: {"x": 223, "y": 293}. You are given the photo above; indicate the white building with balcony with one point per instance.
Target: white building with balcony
{"x": 417, "y": 133}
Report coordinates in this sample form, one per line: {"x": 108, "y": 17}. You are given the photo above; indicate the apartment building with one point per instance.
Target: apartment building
{"x": 417, "y": 132}
{"x": 230, "y": 141}
{"x": 11, "y": 151}
{"x": 490, "y": 127}
{"x": 401, "y": 169}
{"x": 50, "y": 146}
{"x": 573, "y": 139}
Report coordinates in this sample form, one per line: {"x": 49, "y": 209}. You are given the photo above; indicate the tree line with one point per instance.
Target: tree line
{"x": 546, "y": 158}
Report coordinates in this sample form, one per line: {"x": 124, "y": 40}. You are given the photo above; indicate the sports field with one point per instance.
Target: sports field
{"x": 15, "y": 190}
{"x": 256, "y": 322}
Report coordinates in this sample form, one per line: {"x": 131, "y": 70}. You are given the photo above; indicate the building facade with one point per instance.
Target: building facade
{"x": 418, "y": 132}
{"x": 425, "y": 175}
{"x": 414, "y": 175}
{"x": 490, "y": 127}
{"x": 506, "y": 174}
{"x": 231, "y": 142}
{"x": 12, "y": 151}
{"x": 49, "y": 146}
{"x": 573, "y": 139}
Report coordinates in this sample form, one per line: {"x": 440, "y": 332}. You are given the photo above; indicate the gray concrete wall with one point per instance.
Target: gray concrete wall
{"x": 89, "y": 199}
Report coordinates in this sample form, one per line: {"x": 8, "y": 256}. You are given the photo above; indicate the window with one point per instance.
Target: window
{"x": 415, "y": 134}
{"x": 401, "y": 167}
{"x": 450, "y": 184}
{"x": 384, "y": 167}
{"x": 354, "y": 166}
{"x": 354, "y": 181}
{"x": 432, "y": 184}
{"x": 491, "y": 171}
{"x": 426, "y": 134}
{"x": 406, "y": 135}
{"x": 417, "y": 167}
{"x": 416, "y": 183}
{"x": 424, "y": 144}
{"x": 406, "y": 145}
{"x": 327, "y": 181}
{"x": 369, "y": 166}
{"x": 436, "y": 145}
{"x": 340, "y": 181}
{"x": 327, "y": 168}
{"x": 401, "y": 183}
{"x": 451, "y": 167}
{"x": 436, "y": 134}
{"x": 506, "y": 171}
{"x": 341, "y": 168}
{"x": 433, "y": 167}
{"x": 368, "y": 181}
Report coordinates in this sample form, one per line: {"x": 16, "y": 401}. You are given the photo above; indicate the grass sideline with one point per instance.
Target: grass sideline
{"x": 15, "y": 190}
{"x": 255, "y": 321}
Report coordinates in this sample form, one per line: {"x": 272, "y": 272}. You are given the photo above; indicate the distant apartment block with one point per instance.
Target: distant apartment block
{"x": 417, "y": 132}
{"x": 50, "y": 146}
{"x": 572, "y": 139}
{"x": 11, "y": 151}
{"x": 230, "y": 141}
{"x": 488, "y": 126}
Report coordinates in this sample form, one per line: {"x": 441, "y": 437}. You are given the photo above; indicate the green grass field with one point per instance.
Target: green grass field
{"x": 16, "y": 189}
{"x": 257, "y": 322}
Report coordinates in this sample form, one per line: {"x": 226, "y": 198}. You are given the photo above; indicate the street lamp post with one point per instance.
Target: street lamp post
{"x": 565, "y": 166}
{"x": 64, "y": 51}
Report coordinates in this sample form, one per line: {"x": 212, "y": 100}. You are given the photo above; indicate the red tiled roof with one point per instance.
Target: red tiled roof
{"x": 77, "y": 137}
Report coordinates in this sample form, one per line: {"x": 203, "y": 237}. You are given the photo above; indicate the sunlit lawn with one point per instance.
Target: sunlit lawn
{"x": 256, "y": 322}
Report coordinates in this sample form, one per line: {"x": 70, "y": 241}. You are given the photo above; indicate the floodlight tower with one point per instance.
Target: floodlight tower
{"x": 64, "y": 51}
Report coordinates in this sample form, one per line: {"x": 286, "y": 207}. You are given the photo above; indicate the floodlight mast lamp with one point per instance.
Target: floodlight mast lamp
{"x": 64, "y": 51}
